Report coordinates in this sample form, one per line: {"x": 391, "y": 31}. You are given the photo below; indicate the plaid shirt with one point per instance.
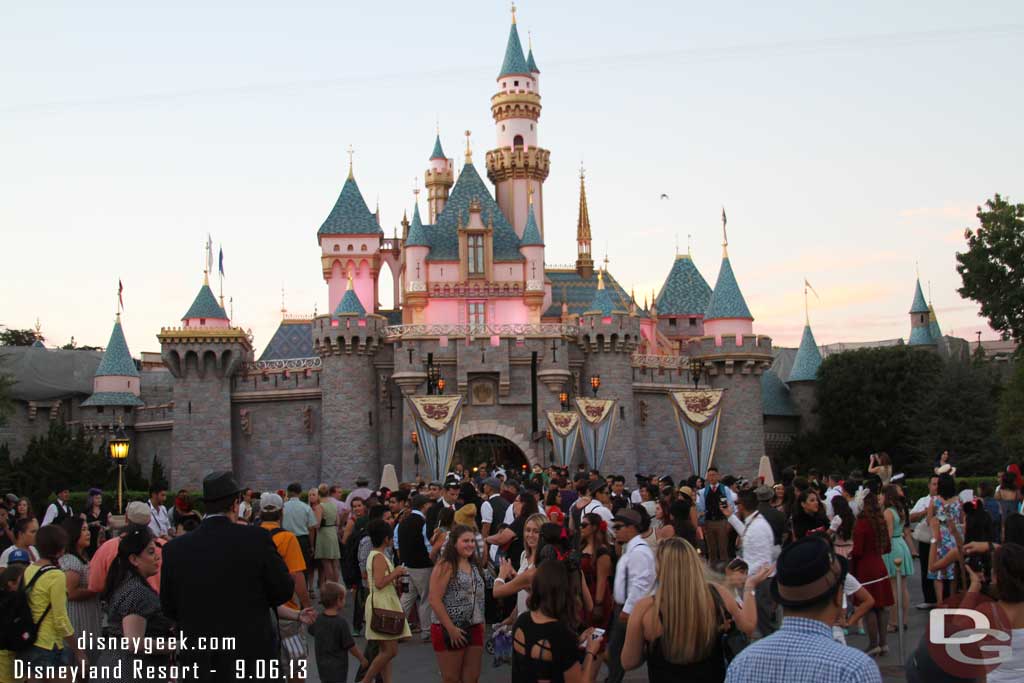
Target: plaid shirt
{"x": 802, "y": 650}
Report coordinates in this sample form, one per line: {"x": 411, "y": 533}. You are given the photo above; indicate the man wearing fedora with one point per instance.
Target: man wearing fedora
{"x": 223, "y": 580}
{"x": 808, "y": 584}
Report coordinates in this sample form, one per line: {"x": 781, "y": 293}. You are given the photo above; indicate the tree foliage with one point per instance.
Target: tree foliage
{"x": 60, "y": 457}
{"x": 6, "y": 402}
{"x": 908, "y": 402}
{"x": 19, "y": 337}
{"x": 1011, "y": 415}
{"x": 992, "y": 268}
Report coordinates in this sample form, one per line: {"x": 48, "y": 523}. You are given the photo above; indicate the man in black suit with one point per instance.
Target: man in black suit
{"x": 223, "y": 580}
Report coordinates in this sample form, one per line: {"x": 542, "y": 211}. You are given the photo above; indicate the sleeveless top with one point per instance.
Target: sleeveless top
{"x": 711, "y": 669}
{"x": 463, "y": 598}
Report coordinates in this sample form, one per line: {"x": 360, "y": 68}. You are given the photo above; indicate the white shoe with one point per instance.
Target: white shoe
{"x": 925, "y": 605}
{"x": 874, "y": 652}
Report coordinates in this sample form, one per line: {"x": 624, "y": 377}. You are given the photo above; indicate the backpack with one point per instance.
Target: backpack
{"x": 18, "y": 631}
{"x": 350, "y": 570}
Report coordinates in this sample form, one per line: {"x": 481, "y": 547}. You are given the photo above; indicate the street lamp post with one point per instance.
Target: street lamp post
{"x": 415, "y": 438}
{"x": 563, "y": 398}
{"x": 595, "y": 383}
{"x": 440, "y": 386}
{"x": 118, "y": 447}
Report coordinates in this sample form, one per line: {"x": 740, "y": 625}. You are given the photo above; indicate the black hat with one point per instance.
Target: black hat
{"x": 630, "y": 517}
{"x": 597, "y": 485}
{"x": 467, "y": 492}
{"x": 419, "y": 500}
{"x": 362, "y": 481}
{"x": 807, "y": 571}
{"x": 220, "y": 485}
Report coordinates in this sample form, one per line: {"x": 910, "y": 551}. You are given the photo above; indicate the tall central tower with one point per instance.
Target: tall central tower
{"x": 518, "y": 167}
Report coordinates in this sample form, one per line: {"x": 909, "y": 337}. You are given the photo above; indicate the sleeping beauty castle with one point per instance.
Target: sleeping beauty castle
{"x": 489, "y": 354}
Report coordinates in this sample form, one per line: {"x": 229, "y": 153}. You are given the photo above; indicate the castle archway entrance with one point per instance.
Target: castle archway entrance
{"x": 475, "y": 450}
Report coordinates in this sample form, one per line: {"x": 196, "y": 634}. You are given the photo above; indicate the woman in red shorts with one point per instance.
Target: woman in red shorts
{"x": 457, "y": 601}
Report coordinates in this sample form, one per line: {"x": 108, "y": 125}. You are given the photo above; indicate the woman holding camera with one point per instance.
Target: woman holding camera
{"x": 457, "y": 609}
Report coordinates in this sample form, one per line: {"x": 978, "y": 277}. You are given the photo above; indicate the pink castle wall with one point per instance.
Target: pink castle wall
{"x": 726, "y": 327}
{"x": 208, "y": 323}
{"x": 115, "y": 383}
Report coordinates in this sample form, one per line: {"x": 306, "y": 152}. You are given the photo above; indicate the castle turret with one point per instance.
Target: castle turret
{"x": 350, "y": 240}
{"x": 417, "y": 248}
{"x": 920, "y": 320}
{"x": 727, "y": 312}
{"x": 609, "y": 335}
{"x": 683, "y": 300}
{"x": 584, "y": 261}
{"x": 347, "y": 341}
{"x": 517, "y": 164}
{"x": 203, "y": 358}
{"x": 531, "y": 63}
{"x": 803, "y": 377}
{"x": 116, "y": 382}
{"x": 531, "y": 246}
{"x": 438, "y": 178}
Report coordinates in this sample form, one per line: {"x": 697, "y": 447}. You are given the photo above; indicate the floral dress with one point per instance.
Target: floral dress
{"x": 950, "y": 509}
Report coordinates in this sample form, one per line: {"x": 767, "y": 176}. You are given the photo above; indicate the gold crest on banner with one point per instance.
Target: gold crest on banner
{"x": 595, "y": 410}
{"x": 563, "y": 423}
{"x": 698, "y": 406}
{"x": 436, "y": 412}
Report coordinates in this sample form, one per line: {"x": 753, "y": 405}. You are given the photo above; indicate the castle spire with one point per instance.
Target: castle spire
{"x": 351, "y": 152}
{"x": 725, "y": 237}
{"x": 514, "y": 62}
{"x": 469, "y": 151}
{"x": 584, "y": 261}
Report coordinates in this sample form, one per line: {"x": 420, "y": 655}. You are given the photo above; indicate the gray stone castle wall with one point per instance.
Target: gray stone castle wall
{"x": 802, "y": 394}
{"x": 277, "y": 448}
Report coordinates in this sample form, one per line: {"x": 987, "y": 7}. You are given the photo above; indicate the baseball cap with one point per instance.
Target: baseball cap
{"x": 18, "y": 556}
{"x": 270, "y": 502}
{"x": 137, "y": 512}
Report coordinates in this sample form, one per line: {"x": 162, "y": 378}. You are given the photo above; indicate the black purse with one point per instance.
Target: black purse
{"x": 732, "y": 640}
{"x": 462, "y": 625}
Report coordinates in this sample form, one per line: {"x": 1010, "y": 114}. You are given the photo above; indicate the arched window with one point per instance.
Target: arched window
{"x": 350, "y": 248}
{"x": 517, "y": 141}
{"x": 337, "y": 247}
{"x": 362, "y": 248}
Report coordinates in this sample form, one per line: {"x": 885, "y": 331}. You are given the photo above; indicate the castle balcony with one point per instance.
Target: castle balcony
{"x": 642, "y": 360}
{"x": 477, "y": 331}
{"x": 475, "y": 289}
{"x": 392, "y": 244}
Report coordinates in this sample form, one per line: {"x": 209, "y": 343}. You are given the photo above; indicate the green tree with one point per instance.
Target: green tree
{"x": 10, "y": 337}
{"x": 6, "y": 401}
{"x": 869, "y": 401}
{"x": 958, "y": 413}
{"x": 992, "y": 268}
{"x": 1011, "y": 415}
{"x": 62, "y": 456}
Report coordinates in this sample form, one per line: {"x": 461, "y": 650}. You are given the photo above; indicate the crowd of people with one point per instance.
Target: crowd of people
{"x": 561, "y": 575}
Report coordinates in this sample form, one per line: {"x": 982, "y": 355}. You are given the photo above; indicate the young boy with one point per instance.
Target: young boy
{"x": 332, "y": 637}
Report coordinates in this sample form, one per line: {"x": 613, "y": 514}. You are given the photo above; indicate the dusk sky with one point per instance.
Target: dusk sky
{"x": 849, "y": 144}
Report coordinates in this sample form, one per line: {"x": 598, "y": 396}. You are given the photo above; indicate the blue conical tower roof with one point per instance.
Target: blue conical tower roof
{"x": 117, "y": 360}
{"x": 603, "y": 302}
{"x": 531, "y": 233}
{"x": 530, "y": 63}
{"x": 919, "y": 305}
{"x": 514, "y": 62}
{"x": 205, "y": 306}
{"x": 808, "y": 359}
{"x": 933, "y": 325}
{"x": 726, "y": 300}
{"x": 417, "y": 236}
{"x": 350, "y": 215}
{"x": 438, "y": 153}
{"x": 685, "y": 291}
{"x": 350, "y": 303}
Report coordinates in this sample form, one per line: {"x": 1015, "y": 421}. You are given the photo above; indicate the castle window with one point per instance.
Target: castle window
{"x": 475, "y": 254}
{"x": 671, "y": 322}
{"x": 362, "y": 248}
{"x": 202, "y": 321}
{"x": 337, "y": 247}
{"x": 475, "y": 313}
{"x": 693, "y": 322}
{"x": 503, "y": 128}
{"x": 350, "y": 248}
{"x": 515, "y": 83}
{"x": 517, "y": 141}
{"x": 531, "y": 126}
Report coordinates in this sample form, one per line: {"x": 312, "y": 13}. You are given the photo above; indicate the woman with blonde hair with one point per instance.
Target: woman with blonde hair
{"x": 673, "y": 625}
{"x": 327, "y": 550}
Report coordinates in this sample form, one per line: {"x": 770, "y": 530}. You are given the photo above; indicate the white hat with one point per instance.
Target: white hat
{"x": 270, "y": 502}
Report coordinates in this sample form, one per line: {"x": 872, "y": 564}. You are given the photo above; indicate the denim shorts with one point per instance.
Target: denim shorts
{"x": 37, "y": 656}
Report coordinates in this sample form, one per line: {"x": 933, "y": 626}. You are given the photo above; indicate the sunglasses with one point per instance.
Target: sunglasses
{"x": 584, "y": 525}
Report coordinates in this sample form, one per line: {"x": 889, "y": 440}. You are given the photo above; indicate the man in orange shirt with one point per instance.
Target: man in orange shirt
{"x": 136, "y": 514}
{"x": 287, "y": 545}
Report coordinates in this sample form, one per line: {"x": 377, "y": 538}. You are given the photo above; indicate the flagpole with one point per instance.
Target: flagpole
{"x": 807, "y": 310}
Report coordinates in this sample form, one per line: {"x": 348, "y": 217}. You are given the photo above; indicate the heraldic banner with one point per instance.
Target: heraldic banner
{"x": 698, "y": 411}
{"x": 596, "y": 428}
{"x": 437, "y": 421}
{"x": 564, "y": 430}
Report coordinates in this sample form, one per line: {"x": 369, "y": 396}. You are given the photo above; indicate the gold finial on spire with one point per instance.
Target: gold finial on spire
{"x": 416, "y": 188}
{"x": 529, "y": 194}
{"x": 600, "y": 279}
{"x": 351, "y": 152}
{"x": 513, "y": 13}
{"x": 350, "y": 280}
{"x": 469, "y": 152}
{"x": 437, "y": 124}
{"x": 725, "y": 236}
{"x": 529, "y": 39}
{"x": 689, "y": 245}
{"x": 284, "y": 310}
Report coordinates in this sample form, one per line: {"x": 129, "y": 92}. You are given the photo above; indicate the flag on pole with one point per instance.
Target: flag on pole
{"x": 220, "y": 259}
{"x": 808, "y": 286}
{"x": 120, "y": 298}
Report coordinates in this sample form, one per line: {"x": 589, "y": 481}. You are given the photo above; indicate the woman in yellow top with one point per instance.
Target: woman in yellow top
{"x": 381, "y": 577}
{"x": 49, "y": 602}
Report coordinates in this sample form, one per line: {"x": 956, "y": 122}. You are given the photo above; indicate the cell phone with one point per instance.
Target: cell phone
{"x": 598, "y": 633}
{"x": 723, "y": 503}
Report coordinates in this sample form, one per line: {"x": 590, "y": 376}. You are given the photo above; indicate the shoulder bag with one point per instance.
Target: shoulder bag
{"x": 387, "y": 622}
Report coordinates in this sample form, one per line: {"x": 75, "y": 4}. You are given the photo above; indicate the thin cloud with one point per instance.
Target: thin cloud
{"x": 948, "y": 210}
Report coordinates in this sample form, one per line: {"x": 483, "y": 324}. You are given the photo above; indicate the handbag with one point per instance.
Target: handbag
{"x": 387, "y": 622}
{"x": 462, "y": 625}
{"x": 732, "y": 640}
